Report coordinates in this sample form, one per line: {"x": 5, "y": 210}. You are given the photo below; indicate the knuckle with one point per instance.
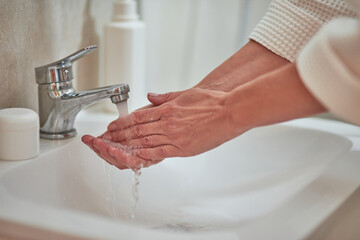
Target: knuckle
{"x": 119, "y": 136}
{"x": 169, "y": 96}
{"x": 138, "y": 130}
{"x": 162, "y": 152}
{"x": 147, "y": 141}
{"x": 116, "y": 137}
{"x": 117, "y": 124}
{"x": 143, "y": 153}
{"x": 137, "y": 117}
{"x": 168, "y": 108}
{"x": 146, "y": 164}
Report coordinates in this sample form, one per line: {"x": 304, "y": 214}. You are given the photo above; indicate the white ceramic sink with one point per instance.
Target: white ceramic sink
{"x": 233, "y": 191}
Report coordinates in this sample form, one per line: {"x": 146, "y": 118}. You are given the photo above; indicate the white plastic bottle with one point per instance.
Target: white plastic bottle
{"x": 124, "y": 53}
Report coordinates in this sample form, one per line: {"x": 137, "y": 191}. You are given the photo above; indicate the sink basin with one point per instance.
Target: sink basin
{"x": 231, "y": 191}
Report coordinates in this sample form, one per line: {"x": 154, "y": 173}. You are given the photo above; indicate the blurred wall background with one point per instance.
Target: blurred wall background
{"x": 186, "y": 39}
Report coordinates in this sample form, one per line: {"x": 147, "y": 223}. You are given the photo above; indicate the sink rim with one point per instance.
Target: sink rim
{"x": 49, "y": 146}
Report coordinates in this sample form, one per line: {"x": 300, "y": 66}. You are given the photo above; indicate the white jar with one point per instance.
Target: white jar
{"x": 19, "y": 134}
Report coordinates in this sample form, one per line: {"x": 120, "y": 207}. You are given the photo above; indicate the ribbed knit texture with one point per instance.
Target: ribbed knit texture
{"x": 289, "y": 24}
{"x": 325, "y": 73}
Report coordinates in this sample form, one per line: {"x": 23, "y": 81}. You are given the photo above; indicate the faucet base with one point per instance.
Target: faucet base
{"x": 58, "y": 136}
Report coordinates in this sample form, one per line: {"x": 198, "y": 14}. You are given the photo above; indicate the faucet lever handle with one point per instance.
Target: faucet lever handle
{"x": 60, "y": 70}
{"x": 78, "y": 54}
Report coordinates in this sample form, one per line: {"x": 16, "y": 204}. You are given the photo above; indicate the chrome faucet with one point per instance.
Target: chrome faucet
{"x": 59, "y": 103}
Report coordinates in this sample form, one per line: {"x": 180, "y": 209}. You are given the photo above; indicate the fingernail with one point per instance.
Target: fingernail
{"x": 112, "y": 126}
{"x": 85, "y": 138}
{"x": 153, "y": 94}
{"x": 107, "y": 137}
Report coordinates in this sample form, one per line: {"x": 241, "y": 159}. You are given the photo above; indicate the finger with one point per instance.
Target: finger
{"x": 145, "y": 107}
{"x": 117, "y": 157}
{"x": 134, "y": 132}
{"x": 118, "y": 164}
{"x": 88, "y": 140}
{"x": 159, "y": 152}
{"x": 99, "y": 148}
{"x": 128, "y": 160}
{"x": 137, "y": 117}
{"x": 103, "y": 149}
{"x": 158, "y": 99}
{"x": 148, "y": 141}
{"x": 156, "y": 161}
{"x": 148, "y": 163}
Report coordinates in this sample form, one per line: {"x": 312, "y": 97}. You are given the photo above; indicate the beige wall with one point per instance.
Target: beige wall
{"x": 37, "y": 32}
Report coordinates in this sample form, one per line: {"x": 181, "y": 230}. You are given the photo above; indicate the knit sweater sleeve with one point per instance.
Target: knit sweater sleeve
{"x": 289, "y": 24}
{"x": 329, "y": 66}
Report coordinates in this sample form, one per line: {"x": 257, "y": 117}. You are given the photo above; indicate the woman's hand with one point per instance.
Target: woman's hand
{"x": 194, "y": 122}
{"x": 199, "y": 120}
{"x": 184, "y": 123}
{"x": 122, "y": 157}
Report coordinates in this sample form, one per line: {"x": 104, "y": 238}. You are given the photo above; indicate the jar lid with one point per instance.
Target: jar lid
{"x": 18, "y": 119}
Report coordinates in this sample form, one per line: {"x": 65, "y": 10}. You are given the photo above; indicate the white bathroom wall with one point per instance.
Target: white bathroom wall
{"x": 186, "y": 39}
{"x": 189, "y": 38}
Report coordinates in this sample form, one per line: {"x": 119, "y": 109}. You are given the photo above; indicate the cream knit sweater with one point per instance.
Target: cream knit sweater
{"x": 323, "y": 36}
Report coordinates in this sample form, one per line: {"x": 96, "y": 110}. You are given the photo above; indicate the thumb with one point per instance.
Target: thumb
{"x": 158, "y": 99}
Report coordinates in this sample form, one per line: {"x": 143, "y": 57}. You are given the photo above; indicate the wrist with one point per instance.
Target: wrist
{"x": 272, "y": 98}
{"x": 250, "y": 62}
{"x": 240, "y": 108}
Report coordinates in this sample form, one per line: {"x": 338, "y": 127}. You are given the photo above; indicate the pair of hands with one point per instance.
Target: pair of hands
{"x": 178, "y": 124}
{"x": 185, "y": 123}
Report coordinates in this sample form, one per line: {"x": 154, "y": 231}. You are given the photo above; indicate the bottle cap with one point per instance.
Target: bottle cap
{"x": 125, "y": 10}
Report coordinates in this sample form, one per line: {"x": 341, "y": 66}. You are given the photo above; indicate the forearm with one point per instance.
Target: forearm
{"x": 248, "y": 63}
{"x": 275, "y": 97}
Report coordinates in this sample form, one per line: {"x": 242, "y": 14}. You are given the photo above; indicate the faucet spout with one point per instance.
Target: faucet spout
{"x": 59, "y": 103}
{"x": 117, "y": 93}
{"x": 58, "y": 108}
